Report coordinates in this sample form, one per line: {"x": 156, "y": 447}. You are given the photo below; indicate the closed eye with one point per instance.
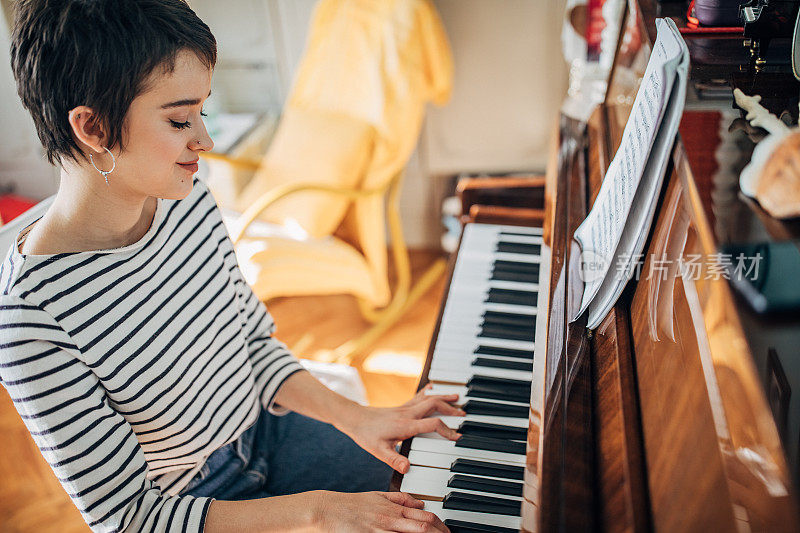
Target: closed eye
{"x": 184, "y": 125}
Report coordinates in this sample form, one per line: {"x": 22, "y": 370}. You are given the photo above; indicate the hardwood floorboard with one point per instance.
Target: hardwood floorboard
{"x": 32, "y": 500}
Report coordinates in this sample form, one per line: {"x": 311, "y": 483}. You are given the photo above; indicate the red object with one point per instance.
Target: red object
{"x": 11, "y": 206}
{"x": 594, "y": 29}
{"x": 693, "y": 25}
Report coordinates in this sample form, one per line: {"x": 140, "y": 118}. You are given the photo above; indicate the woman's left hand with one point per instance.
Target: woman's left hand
{"x": 379, "y": 429}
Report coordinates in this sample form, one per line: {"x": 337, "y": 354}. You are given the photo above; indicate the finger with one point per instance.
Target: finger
{"x": 444, "y": 397}
{"x": 449, "y": 409}
{"x": 396, "y": 461}
{"x": 436, "y": 404}
{"x": 419, "y": 396}
{"x": 406, "y": 525}
{"x": 419, "y": 515}
{"x": 439, "y": 525}
{"x": 428, "y": 425}
{"x": 424, "y": 408}
{"x": 404, "y": 499}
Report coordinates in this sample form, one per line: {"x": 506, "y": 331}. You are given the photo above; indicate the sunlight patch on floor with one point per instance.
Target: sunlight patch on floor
{"x": 392, "y": 362}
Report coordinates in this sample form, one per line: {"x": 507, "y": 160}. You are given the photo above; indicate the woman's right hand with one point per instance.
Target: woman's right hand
{"x": 374, "y": 511}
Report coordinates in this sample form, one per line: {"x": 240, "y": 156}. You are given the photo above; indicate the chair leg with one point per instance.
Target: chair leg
{"x": 402, "y": 263}
{"x": 348, "y": 352}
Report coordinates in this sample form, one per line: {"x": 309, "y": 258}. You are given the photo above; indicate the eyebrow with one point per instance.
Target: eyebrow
{"x": 179, "y": 103}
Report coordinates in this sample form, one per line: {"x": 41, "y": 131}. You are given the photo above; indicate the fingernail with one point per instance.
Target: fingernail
{"x": 462, "y": 412}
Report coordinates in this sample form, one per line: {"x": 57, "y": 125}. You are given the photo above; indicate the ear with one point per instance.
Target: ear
{"x": 86, "y": 128}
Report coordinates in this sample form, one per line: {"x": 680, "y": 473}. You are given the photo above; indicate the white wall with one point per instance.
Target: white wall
{"x": 510, "y": 79}
{"x": 23, "y": 168}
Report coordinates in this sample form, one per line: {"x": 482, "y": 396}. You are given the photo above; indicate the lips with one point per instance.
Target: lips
{"x": 191, "y": 167}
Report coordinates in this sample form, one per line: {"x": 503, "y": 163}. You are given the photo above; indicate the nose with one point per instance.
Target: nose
{"x": 203, "y": 142}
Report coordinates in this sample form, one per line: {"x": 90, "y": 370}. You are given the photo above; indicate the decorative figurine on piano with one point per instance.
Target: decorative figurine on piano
{"x": 773, "y": 175}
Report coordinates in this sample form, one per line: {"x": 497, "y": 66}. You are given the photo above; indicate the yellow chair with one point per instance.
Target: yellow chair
{"x": 336, "y": 161}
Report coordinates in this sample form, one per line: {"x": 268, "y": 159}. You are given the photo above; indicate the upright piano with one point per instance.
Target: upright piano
{"x": 655, "y": 420}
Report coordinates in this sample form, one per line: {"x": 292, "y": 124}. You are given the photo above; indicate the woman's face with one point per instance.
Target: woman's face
{"x": 164, "y": 132}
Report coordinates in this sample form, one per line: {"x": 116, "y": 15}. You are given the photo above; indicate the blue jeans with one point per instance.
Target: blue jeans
{"x": 286, "y": 455}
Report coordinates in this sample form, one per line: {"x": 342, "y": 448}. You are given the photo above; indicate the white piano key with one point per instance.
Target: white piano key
{"x": 479, "y": 228}
{"x": 456, "y": 375}
{"x": 429, "y": 482}
{"x": 453, "y": 342}
{"x": 442, "y": 460}
{"x": 525, "y": 239}
{"x": 449, "y": 447}
{"x": 513, "y": 522}
{"x": 511, "y": 308}
{"x": 468, "y": 358}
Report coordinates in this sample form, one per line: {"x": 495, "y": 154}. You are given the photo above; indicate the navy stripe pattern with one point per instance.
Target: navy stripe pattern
{"x": 131, "y": 366}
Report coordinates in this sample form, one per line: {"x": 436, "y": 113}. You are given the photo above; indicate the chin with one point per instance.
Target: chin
{"x": 180, "y": 191}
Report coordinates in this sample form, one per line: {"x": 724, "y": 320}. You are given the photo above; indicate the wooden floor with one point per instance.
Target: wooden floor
{"x": 32, "y": 500}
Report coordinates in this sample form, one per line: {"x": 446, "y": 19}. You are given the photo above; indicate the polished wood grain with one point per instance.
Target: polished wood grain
{"x": 621, "y": 469}
{"x": 524, "y": 191}
{"x": 682, "y": 437}
{"x": 514, "y": 216}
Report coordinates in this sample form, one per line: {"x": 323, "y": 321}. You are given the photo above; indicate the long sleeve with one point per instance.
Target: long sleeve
{"x": 91, "y": 448}
{"x": 272, "y": 362}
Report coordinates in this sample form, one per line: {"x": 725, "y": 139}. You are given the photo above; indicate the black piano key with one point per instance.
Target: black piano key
{"x": 504, "y": 388}
{"x": 526, "y": 329}
{"x": 499, "y": 322}
{"x": 503, "y": 352}
{"x": 491, "y": 392}
{"x": 481, "y": 484}
{"x": 475, "y": 442}
{"x": 502, "y": 363}
{"x": 507, "y": 333}
{"x": 477, "y": 407}
{"x": 497, "y": 431}
{"x": 477, "y": 503}
{"x": 519, "y": 248}
{"x": 499, "y": 275}
{"x": 515, "y": 266}
{"x": 462, "y": 526}
{"x": 522, "y": 384}
{"x": 483, "y": 468}
{"x": 509, "y": 319}
{"x": 520, "y": 233}
{"x": 509, "y": 296}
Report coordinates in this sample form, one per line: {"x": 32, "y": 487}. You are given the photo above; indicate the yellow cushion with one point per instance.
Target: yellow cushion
{"x": 311, "y": 147}
{"x": 276, "y": 266}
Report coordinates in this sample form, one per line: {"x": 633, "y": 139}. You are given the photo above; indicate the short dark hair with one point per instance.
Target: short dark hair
{"x": 98, "y": 53}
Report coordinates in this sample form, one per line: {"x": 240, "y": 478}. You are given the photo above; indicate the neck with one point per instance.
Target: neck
{"x": 95, "y": 216}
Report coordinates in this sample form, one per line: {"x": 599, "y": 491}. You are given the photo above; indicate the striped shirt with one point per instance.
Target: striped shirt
{"x": 131, "y": 366}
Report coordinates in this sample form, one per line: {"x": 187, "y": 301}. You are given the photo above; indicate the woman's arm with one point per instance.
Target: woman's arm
{"x": 91, "y": 448}
{"x": 375, "y": 429}
{"x": 305, "y": 394}
{"x": 323, "y": 511}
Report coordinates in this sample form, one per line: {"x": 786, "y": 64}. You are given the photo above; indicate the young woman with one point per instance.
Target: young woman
{"x": 139, "y": 359}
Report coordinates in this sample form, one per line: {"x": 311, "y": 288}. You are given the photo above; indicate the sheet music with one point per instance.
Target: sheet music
{"x": 614, "y": 232}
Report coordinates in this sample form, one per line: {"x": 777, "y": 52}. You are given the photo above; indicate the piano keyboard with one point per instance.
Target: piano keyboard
{"x": 483, "y": 353}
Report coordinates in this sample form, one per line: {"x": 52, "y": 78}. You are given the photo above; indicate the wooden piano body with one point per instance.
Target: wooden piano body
{"x": 657, "y": 419}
